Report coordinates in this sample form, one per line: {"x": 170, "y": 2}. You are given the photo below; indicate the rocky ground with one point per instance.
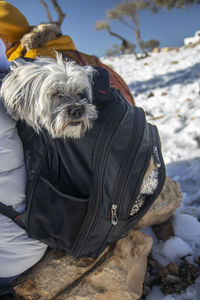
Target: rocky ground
{"x": 174, "y": 278}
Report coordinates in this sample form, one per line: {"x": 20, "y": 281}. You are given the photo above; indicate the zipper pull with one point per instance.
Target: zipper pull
{"x": 156, "y": 157}
{"x": 114, "y": 218}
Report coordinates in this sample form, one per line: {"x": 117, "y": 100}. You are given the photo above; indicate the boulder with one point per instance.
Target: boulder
{"x": 55, "y": 272}
{"x": 118, "y": 274}
{"x": 155, "y": 50}
{"x": 167, "y": 49}
{"x": 165, "y": 205}
{"x": 121, "y": 275}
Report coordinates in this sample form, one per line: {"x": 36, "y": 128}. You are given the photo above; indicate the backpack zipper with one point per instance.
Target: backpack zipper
{"x": 114, "y": 218}
{"x": 142, "y": 174}
{"x": 156, "y": 157}
{"x": 153, "y": 151}
{"x": 93, "y": 211}
{"x": 118, "y": 193}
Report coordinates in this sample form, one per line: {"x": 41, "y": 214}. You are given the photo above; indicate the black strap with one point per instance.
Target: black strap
{"x": 8, "y": 211}
{"x": 7, "y": 293}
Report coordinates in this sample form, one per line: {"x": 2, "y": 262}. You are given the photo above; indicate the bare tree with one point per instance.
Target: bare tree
{"x": 61, "y": 14}
{"x": 129, "y": 11}
{"x": 126, "y": 46}
{"x": 170, "y": 4}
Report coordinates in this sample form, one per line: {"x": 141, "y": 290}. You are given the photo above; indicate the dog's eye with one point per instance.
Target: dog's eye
{"x": 60, "y": 96}
{"x": 57, "y": 96}
{"x": 82, "y": 95}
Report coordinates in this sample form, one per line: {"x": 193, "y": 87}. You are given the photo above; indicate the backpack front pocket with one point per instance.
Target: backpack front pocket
{"x": 55, "y": 217}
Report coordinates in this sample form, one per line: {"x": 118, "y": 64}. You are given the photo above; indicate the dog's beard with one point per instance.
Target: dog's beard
{"x": 42, "y": 91}
{"x": 75, "y": 131}
{"x": 63, "y": 126}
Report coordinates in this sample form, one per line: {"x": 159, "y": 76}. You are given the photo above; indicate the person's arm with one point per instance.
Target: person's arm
{"x": 4, "y": 63}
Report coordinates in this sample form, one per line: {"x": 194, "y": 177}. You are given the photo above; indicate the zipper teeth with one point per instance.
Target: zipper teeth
{"x": 154, "y": 196}
{"x": 109, "y": 138}
{"x": 120, "y": 195}
{"x": 147, "y": 160}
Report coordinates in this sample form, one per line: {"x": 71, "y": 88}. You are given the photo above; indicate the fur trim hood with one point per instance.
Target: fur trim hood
{"x": 42, "y": 41}
{"x": 40, "y": 35}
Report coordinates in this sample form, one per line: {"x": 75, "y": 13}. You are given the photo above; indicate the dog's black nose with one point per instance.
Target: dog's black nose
{"x": 75, "y": 112}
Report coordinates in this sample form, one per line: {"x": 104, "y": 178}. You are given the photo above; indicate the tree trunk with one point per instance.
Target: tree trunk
{"x": 125, "y": 43}
{"x": 138, "y": 35}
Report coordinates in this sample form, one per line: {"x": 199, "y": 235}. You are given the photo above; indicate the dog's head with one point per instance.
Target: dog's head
{"x": 54, "y": 94}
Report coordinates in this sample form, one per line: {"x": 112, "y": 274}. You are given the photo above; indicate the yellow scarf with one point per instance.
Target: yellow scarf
{"x": 60, "y": 44}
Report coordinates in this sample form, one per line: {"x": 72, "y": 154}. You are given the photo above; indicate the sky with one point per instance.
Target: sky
{"x": 170, "y": 28}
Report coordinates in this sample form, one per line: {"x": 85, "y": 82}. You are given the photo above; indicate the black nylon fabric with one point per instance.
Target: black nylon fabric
{"x": 58, "y": 195}
{"x": 72, "y": 184}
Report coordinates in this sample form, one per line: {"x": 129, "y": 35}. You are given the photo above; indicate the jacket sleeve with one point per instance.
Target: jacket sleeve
{"x": 12, "y": 167}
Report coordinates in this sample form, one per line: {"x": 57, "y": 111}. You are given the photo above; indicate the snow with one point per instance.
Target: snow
{"x": 175, "y": 247}
{"x": 173, "y": 79}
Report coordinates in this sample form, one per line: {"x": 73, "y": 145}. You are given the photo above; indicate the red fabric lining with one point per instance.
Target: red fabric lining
{"x": 103, "y": 92}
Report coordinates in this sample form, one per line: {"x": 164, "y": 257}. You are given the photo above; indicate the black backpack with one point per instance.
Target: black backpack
{"x": 81, "y": 194}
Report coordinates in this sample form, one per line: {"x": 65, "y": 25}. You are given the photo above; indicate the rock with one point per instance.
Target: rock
{"x": 167, "y": 49}
{"x": 51, "y": 275}
{"x": 165, "y": 205}
{"x": 156, "y": 50}
{"x": 153, "y": 263}
{"x": 176, "y": 278}
{"x": 119, "y": 276}
{"x": 164, "y": 230}
{"x": 150, "y": 95}
{"x": 173, "y": 269}
{"x": 171, "y": 279}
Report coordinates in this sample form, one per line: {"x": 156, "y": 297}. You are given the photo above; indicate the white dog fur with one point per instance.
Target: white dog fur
{"x": 56, "y": 95}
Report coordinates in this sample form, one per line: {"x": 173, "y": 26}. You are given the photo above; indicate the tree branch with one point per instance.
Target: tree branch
{"x": 127, "y": 24}
{"x": 61, "y": 14}
{"x": 117, "y": 36}
{"x": 47, "y": 10}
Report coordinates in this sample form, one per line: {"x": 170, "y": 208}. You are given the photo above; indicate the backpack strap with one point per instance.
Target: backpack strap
{"x": 8, "y": 211}
{"x": 12, "y": 214}
{"x": 7, "y": 292}
{"x": 80, "y": 58}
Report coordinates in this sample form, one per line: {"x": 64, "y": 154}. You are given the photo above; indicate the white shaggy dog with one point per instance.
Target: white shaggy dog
{"x": 51, "y": 94}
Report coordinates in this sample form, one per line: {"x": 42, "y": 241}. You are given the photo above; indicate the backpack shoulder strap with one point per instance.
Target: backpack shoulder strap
{"x": 12, "y": 214}
{"x": 8, "y": 211}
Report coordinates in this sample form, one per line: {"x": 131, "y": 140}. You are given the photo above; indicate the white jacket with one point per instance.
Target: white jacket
{"x": 18, "y": 252}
